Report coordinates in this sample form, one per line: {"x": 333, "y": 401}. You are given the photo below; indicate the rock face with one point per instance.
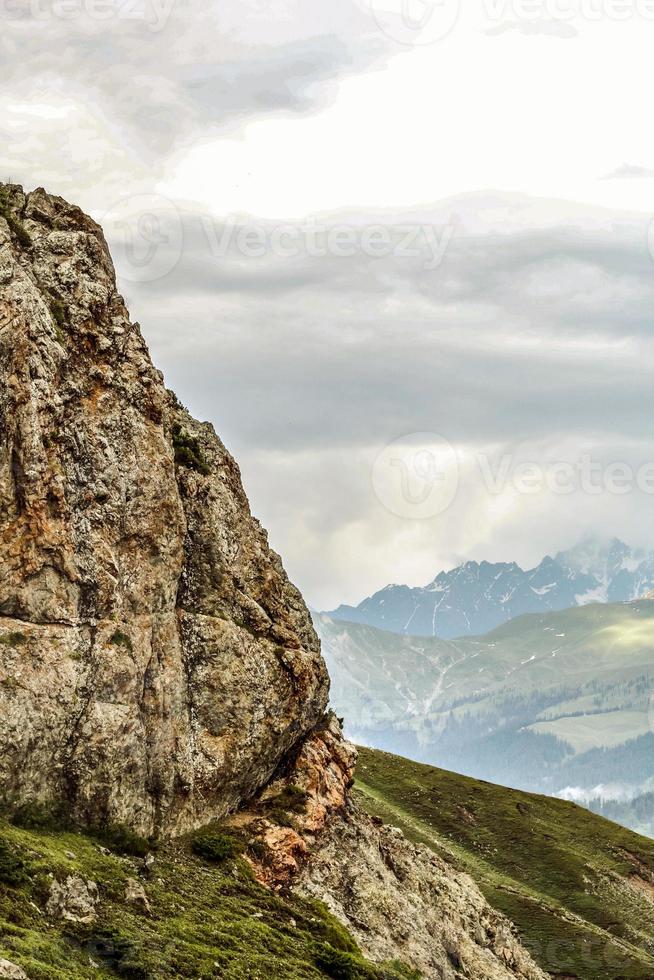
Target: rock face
{"x": 310, "y": 791}
{"x": 11, "y": 971}
{"x": 155, "y": 662}
{"x": 157, "y": 668}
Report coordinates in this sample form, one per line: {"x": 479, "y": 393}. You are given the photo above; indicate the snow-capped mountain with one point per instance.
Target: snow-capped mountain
{"x": 478, "y": 596}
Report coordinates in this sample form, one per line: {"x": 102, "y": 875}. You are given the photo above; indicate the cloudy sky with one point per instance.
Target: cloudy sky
{"x": 398, "y": 251}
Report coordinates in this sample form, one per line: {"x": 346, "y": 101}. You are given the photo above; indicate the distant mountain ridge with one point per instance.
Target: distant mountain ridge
{"x": 476, "y": 597}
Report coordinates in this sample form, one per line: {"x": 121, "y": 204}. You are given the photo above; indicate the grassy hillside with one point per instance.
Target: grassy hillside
{"x": 580, "y": 889}
{"x": 205, "y": 918}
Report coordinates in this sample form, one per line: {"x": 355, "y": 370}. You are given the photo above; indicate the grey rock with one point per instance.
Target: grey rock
{"x": 135, "y": 894}
{"x": 73, "y": 900}
{"x": 400, "y": 900}
{"x": 11, "y": 971}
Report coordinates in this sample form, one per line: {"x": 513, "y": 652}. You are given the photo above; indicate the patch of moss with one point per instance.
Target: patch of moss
{"x": 188, "y": 452}
{"x": 33, "y": 815}
{"x": 292, "y": 798}
{"x": 279, "y": 816}
{"x": 121, "y": 839}
{"x": 257, "y": 849}
{"x": 14, "y": 639}
{"x": 120, "y": 639}
{"x": 12, "y": 867}
{"x": 215, "y": 847}
{"x": 280, "y": 808}
{"x": 60, "y": 317}
{"x": 335, "y": 963}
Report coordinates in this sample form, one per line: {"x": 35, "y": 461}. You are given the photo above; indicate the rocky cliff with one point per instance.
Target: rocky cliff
{"x": 156, "y": 664}
{"x": 157, "y": 668}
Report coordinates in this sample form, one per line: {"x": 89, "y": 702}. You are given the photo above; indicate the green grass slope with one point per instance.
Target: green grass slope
{"x": 586, "y": 657}
{"x": 579, "y": 888}
{"x": 207, "y": 917}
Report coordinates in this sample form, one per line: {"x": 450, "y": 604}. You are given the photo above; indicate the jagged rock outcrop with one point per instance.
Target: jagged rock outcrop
{"x": 155, "y": 662}
{"x": 73, "y": 899}
{"x": 310, "y": 790}
{"x": 157, "y": 668}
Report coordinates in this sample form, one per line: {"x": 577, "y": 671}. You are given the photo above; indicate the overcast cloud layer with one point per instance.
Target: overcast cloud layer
{"x": 486, "y": 330}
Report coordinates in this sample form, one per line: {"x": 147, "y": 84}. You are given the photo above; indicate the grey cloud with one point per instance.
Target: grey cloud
{"x": 210, "y": 67}
{"x": 532, "y": 338}
{"x": 516, "y": 335}
{"x": 629, "y": 171}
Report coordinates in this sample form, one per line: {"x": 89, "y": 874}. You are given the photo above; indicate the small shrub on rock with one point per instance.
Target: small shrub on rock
{"x": 16, "y": 227}
{"x": 293, "y": 799}
{"x": 340, "y": 966}
{"x": 121, "y": 640}
{"x": 121, "y": 839}
{"x": 12, "y": 867}
{"x": 216, "y": 847}
{"x": 12, "y": 639}
{"x": 188, "y": 452}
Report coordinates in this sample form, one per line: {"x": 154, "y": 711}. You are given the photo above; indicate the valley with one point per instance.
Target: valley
{"x": 559, "y": 702}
